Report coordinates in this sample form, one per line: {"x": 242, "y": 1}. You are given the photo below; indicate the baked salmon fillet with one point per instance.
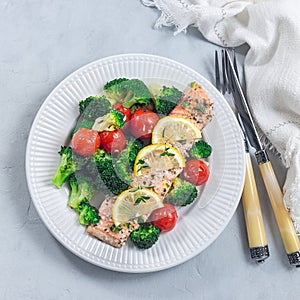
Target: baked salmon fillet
{"x": 106, "y": 231}
{"x": 160, "y": 182}
{"x": 195, "y": 105}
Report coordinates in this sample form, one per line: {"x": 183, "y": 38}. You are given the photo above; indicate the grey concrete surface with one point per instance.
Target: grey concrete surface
{"x": 41, "y": 42}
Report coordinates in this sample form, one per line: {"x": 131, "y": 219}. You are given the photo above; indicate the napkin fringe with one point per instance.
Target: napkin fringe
{"x": 178, "y": 16}
{"x": 267, "y": 144}
{"x": 291, "y": 188}
{"x": 291, "y": 203}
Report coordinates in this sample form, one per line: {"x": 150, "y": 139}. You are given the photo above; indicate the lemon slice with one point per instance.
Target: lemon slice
{"x": 134, "y": 203}
{"x": 156, "y": 158}
{"x": 174, "y": 130}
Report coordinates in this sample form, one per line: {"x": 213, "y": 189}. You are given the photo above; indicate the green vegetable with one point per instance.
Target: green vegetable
{"x": 93, "y": 107}
{"x": 80, "y": 161}
{"x": 136, "y": 93}
{"x": 130, "y": 152}
{"x": 200, "y": 149}
{"x": 114, "y": 91}
{"x": 65, "y": 168}
{"x": 105, "y": 166}
{"x": 182, "y": 193}
{"x": 81, "y": 191}
{"x": 145, "y": 236}
{"x": 125, "y": 161}
{"x": 115, "y": 228}
{"x": 90, "y": 109}
{"x": 88, "y": 214}
{"x": 69, "y": 163}
{"x": 166, "y": 152}
{"x": 111, "y": 121}
{"x": 166, "y": 98}
{"x": 141, "y": 199}
{"x": 127, "y": 91}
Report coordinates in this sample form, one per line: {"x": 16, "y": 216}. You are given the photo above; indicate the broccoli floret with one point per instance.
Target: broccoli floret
{"x": 145, "y": 236}
{"x": 82, "y": 190}
{"x": 125, "y": 161}
{"x": 166, "y": 98}
{"x": 114, "y": 91}
{"x": 137, "y": 93}
{"x": 69, "y": 163}
{"x": 81, "y": 162}
{"x": 133, "y": 147}
{"x": 105, "y": 167}
{"x": 91, "y": 172}
{"x": 182, "y": 193}
{"x": 65, "y": 168}
{"x": 93, "y": 107}
{"x": 127, "y": 91}
{"x": 111, "y": 121}
{"x": 200, "y": 149}
{"x": 88, "y": 214}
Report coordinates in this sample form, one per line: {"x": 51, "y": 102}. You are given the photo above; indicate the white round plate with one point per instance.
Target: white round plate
{"x": 198, "y": 225}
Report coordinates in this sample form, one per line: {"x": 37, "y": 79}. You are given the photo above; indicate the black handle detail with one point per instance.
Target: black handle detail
{"x": 294, "y": 258}
{"x": 260, "y": 254}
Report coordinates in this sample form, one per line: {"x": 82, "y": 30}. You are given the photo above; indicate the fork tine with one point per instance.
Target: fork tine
{"x": 234, "y": 63}
{"x": 228, "y": 74}
{"x": 229, "y": 71}
{"x": 217, "y": 72}
{"x": 224, "y": 86}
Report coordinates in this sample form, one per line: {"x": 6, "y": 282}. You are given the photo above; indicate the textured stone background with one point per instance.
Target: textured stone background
{"x": 41, "y": 42}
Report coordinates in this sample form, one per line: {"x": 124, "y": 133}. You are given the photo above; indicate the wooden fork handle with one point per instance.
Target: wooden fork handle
{"x": 284, "y": 222}
{"x": 257, "y": 239}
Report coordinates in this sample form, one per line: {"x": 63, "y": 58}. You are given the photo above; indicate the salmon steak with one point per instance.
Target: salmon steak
{"x": 195, "y": 105}
{"x": 106, "y": 231}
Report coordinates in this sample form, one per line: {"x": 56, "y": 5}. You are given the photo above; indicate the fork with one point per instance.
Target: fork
{"x": 257, "y": 239}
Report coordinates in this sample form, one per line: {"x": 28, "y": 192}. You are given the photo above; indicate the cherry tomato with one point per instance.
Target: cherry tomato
{"x": 125, "y": 111}
{"x": 164, "y": 218}
{"x": 86, "y": 141}
{"x": 142, "y": 123}
{"x": 196, "y": 172}
{"x": 112, "y": 141}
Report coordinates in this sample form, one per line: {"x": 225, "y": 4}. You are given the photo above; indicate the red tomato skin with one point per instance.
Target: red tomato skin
{"x": 86, "y": 141}
{"x": 112, "y": 141}
{"x": 164, "y": 218}
{"x": 196, "y": 172}
{"x": 126, "y": 112}
{"x": 142, "y": 123}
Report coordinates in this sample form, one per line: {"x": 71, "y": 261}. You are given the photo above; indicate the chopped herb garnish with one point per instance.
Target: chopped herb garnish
{"x": 141, "y": 199}
{"x": 143, "y": 165}
{"x": 115, "y": 228}
{"x": 166, "y": 152}
{"x": 134, "y": 189}
{"x": 185, "y": 104}
{"x": 149, "y": 186}
{"x": 200, "y": 108}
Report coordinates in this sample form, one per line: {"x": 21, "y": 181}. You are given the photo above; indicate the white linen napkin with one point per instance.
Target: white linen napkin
{"x": 272, "y": 67}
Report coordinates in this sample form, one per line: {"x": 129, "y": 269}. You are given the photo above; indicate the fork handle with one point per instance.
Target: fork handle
{"x": 257, "y": 239}
{"x": 286, "y": 227}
